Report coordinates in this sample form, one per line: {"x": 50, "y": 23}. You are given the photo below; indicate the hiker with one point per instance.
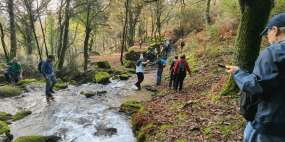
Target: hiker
{"x": 49, "y": 75}
{"x": 140, "y": 44}
{"x": 14, "y": 69}
{"x": 150, "y": 55}
{"x": 182, "y": 44}
{"x": 180, "y": 70}
{"x": 171, "y": 70}
{"x": 161, "y": 63}
{"x": 268, "y": 83}
{"x": 139, "y": 71}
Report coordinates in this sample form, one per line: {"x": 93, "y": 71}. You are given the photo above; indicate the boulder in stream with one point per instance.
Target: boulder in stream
{"x": 5, "y": 116}
{"x": 5, "y": 135}
{"x": 91, "y": 94}
{"x": 106, "y": 132}
{"x": 124, "y": 77}
{"x": 8, "y": 91}
{"x": 102, "y": 78}
{"x": 73, "y": 82}
{"x": 21, "y": 115}
{"x": 103, "y": 64}
{"x": 38, "y": 139}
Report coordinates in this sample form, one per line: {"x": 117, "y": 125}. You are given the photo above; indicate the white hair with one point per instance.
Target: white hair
{"x": 282, "y": 29}
{"x": 15, "y": 58}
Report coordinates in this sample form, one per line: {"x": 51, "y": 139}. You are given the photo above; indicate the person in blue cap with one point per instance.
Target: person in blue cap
{"x": 267, "y": 82}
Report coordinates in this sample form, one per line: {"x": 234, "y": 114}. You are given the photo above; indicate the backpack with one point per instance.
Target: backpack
{"x": 17, "y": 65}
{"x": 182, "y": 66}
{"x": 162, "y": 63}
{"x": 40, "y": 66}
{"x": 248, "y": 105}
{"x": 182, "y": 43}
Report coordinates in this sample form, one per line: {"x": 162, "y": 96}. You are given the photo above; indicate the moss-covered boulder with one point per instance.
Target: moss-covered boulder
{"x": 25, "y": 82}
{"x": 61, "y": 86}
{"x": 94, "y": 53}
{"x": 129, "y": 64}
{"x": 102, "y": 77}
{"x": 81, "y": 92}
{"x": 21, "y": 115}
{"x": 5, "y": 135}
{"x": 73, "y": 82}
{"x": 38, "y": 139}
{"x": 132, "y": 55}
{"x": 8, "y": 91}
{"x": 59, "y": 81}
{"x": 124, "y": 77}
{"x": 117, "y": 72}
{"x": 5, "y": 116}
{"x": 131, "y": 107}
{"x": 103, "y": 64}
{"x": 3, "y": 128}
{"x": 132, "y": 70}
{"x": 90, "y": 94}
{"x": 110, "y": 71}
{"x": 2, "y": 79}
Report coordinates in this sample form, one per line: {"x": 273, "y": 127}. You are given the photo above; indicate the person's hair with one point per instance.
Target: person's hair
{"x": 51, "y": 56}
{"x": 159, "y": 55}
{"x": 282, "y": 29}
{"x": 176, "y": 57}
{"x": 182, "y": 56}
{"x": 15, "y": 58}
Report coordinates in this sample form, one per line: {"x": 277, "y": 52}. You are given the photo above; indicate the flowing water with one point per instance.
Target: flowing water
{"x": 72, "y": 116}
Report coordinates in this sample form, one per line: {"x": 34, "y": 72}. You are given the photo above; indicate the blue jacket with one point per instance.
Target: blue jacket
{"x": 47, "y": 68}
{"x": 157, "y": 62}
{"x": 268, "y": 82}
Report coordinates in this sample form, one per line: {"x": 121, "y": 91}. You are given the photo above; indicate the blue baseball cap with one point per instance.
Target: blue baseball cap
{"x": 276, "y": 21}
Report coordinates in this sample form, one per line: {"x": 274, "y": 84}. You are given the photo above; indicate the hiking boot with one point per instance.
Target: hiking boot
{"x": 51, "y": 91}
{"x": 137, "y": 85}
{"x": 180, "y": 91}
{"x": 48, "y": 95}
{"x": 175, "y": 91}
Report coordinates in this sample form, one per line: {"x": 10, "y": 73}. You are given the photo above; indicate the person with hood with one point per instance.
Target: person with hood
{"x": 49, "y": 75}
{"x": 180, "y": 70}
{"x": 139, "y": 71}
{"x": 171, "y": 70}
{"x": 267, "y": 81}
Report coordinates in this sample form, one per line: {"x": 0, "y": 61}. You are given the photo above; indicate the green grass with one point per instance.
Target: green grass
{"x": 165, "y": 127}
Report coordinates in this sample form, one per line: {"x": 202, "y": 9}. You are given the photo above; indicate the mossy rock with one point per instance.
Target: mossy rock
{"x": 25, "y": 82}
{"x": 8, "y": 91}
{"x": 3, "y": 128}
{"x": 110, "y": 71}
{"x": 21, "y": 115}
{"x": 81, "y": 92}
{"x": 38, "y": 139}
{"x": 106, "y": 132}
{"x": 131, "y": 107}
{"x": 129, "y": 64}
{"x": 61, "y": 86}
{"x": 2, "y": 79}
{"x": 102, "y": 77}
{"x": 94, "y": 53}
{"x": 5, "y": 116}
{"x": 115, "y": 77}
{"x": 73, "y": 82}
{"x": 117, "y": 72}
{"x": 132, "y": 70}
{"x": 132, "y": 55}
{"x": 124, "y": 77}
{"x": 103, "y": 64}
{"x": 92, "y": 64}
{"x": 59, "y": 81}
{"x": 90, "y": 94}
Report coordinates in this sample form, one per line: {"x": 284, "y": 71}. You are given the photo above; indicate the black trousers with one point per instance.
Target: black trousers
{"x": 179, "y": 80}
{"x": 140, "y": 78}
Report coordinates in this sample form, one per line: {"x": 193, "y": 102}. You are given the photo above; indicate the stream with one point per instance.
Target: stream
{"x": 72, "y": 116}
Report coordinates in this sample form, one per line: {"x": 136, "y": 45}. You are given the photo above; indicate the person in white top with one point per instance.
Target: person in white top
{"x": 139, "y": 71}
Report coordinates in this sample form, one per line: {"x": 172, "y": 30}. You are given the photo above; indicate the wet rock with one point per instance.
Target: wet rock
{"x": 25, "y": 82}
{"x": 21, "y": 115}
{"x": 91, "y": 94}
{"x": 101, "y": 92}
{"x": 8, "y": 91}
{"x": 124, "y": 77}
{"x": 110, "y": 71}
{"x": 103, "y": 64}
{"x": 38, "y": 139}
{"x": 73, "y": 82}
{"x": 5, "y": 135}
{"x": 102, "y": 77}
{"x": 106, "y": 132}
{"x": 5, "y": 116}
{"x": 131, "y": 107}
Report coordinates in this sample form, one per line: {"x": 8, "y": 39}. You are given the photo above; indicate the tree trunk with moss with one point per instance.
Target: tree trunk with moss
{"x": 13, "y": 49}
{"x": 124, "y": 31}
{"x": 208, "y": 19}
{"x": 255, "y": 15}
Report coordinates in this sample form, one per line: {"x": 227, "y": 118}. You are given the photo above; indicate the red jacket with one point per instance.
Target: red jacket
{"x": 177, "y": 66}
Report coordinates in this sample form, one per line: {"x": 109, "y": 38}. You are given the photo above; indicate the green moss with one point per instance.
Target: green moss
{"x": 129, "y": 64}
{"x": 73, "y": 82}
{"x": 8, "y": 91}
{"x": 142, "y": 136}
{"x": 94, "y": 53}
{"x": 81, "y": 92}
{"x": 5, "y": 116}
{"x": 117, "y": 72}
{"x": 165, "y": 127}
{"x": 61, "y": 86}
{"x": 102, "y": 77}
{"x": 132, "y": 70}
{"x": 4, "y": 129}
{"x": 131, "y": 107}
{"x": 90, "y": 94}
{"x": 231, "y": 88}
{"x": 124, "y": 77}
{"x": 160, "y": 137}
{"x": 38, "y": 139}
{"x": 25, "y": 82}
{"x": 194, "y": 70}
{"x": 181, "y": 141}
{"x": 206, "y": 65}
{"x": 21, "y": 115}
{"x": 110, "y": 71}
{"x": 103, "y": 64}
{"x": 191, "y": 83}
{"x": 163, "y": 92}
{"x": 182, "y": 116}
{"x": 59, "y": 81}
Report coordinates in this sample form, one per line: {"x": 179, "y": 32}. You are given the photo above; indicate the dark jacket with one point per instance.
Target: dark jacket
{"x": 268, "y": 82}
{"x": 157, "y": 63}
{"x": 47, "y": 68}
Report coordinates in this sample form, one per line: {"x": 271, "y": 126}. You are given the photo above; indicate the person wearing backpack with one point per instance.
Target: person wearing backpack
{"x": 161, "y": 63}
{"x": 267, "y": 82}
{"x": 49, "y": 75}
{"x": 171, "y": 70}
{"x": 182, "y": 44}
{"x": 140, "y": 42}
{"x": 150, "y": 55}
{"x": 15, "y": 69}
{"x": 180, "y": 70}
{"x": 139, "y": 71}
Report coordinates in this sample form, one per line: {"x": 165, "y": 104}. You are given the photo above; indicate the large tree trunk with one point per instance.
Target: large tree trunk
{"x": 208, "y": 19}
{"x": 42, "y": 30}
{"x": 247, "y": 46}
{"x": 29, "y": 40}
{"x": 60, "y": 30}
{"x": 3, "y": 43}
{"x": 13, "y": 49}
{"x": 124, "y": 30}
{"x": 65, "y": 38}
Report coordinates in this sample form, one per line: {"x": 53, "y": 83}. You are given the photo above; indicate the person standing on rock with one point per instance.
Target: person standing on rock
{"x": 140, "y": 44}
{"x": 139, "y": 71}
{"x": 171, "y": 70}
{"x": 182, "y": 44}
{"x": 161, "y": 63}
{"x": 49, "y": 75}
{"x": 15, "y": 69}
{"x": 180, "y": 71}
